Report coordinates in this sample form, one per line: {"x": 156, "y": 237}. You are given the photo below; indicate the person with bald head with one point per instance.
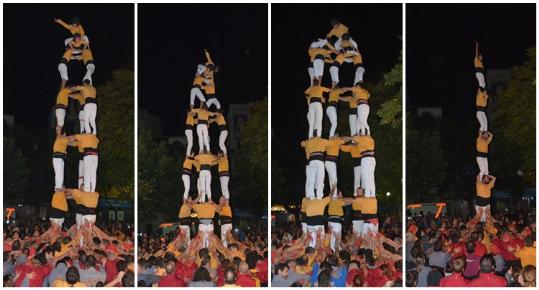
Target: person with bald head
{"x": 244, "y": 278}
{"x": 230, "y": 278}
{"x": 170, "y": 279}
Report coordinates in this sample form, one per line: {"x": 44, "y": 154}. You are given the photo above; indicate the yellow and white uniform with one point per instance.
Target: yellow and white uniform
{"x": 315, "y": 148}
{"x": 315, "y": 97}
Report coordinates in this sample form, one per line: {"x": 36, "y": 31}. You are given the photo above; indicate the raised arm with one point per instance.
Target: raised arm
{"x": 208, "y": 58}
{"x": 61, "y": 22}
{"x": 476, "y": 48}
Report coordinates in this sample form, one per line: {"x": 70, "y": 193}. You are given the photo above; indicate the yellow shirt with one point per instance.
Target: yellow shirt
{"x": 334, "y": 94}
{"x": 198, "y": 80}
{"x": 190, "y": 120}
{"x": 364, "y": 142}
{"x": 222, "y": 164}
{"x": 303, "y": 204}
{"x": 225, "y": 211}
{"x": 63, "y": 96}
{"x": 315, "y": 144}
{"x": 354, "y": 150}
{"x": 59, "y": 201}
{"x": 361, "y": 93}
{"x": 483, "y": 190}
{"x": 313, "y": 52}
{"x": 185, "y": 211}
{"x": 87, "y": 91}
{"x": 205, "y": 210}
{"x": 60, "y": 145}
{"x": 315, "y": 207}
{"x": 87, "y": 140}
{"x": 338, "y": 30}
{"x": 72, "y": 28}
{"x": 481, "y": 98}
{"x": 316, "y": 92}
{"x": 482, "y": 144}
{"x": 352, "y": 102}
{"x": 220, "y": 119}
{"x": 527, "y": 256}
{"x": 202, "y": 115}
{"x": 367, "y": 205}
{"x": 336, "y": 207}
{"x": 62, "y": 283}
{"x": 478, "y": 63}
{"x": 206, "y": 159}
{"x": 333, "y": 145}
{"x": 88, "y": 199}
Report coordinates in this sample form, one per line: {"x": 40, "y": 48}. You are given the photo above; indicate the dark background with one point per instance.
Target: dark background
{"x": 440, "y": 50}
{"x": 376, "y": 29}
{"x": 34, "y": 44}
{"x": 172, "y": 39}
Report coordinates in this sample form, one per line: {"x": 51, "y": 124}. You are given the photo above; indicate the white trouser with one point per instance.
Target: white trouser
{"x": 331, "y": 112}
{"x": 203, "y": 138}
{"x": 315, "y": 116}
{"x": 318, "y": 67}
{"x": 186, "y": 231}
{"x": 58, "y": 165}
{"x": 81, "y": 121}
{"x": 69, "y": 39}
{"x": 214, "y": 101}
{"x": 304, "y": 228}
{"x": 59, "y": 222}
{"x": 90, "y": 68}
{"x": 196, "y": 92}
{"x": 78, "y": 220}
{"x": 205, "y": 231}
{"x": 482, "y": 162}
{"x": 199, "y": 189}
{"x": 368, "y": 164}
{"x": 81, "y": 172}
{"x": 336, "y": 231}
{"x": 186, "y": 178}
{"x": 483, "y": 121}
{"x": 312, "y": 230}
{"x": 189, "y": 135}
{"x": 334, "y": 72}
{"x": 369, "y": 227}
{"x": 357, "y": 227}
{"x": 352, "y": 121}
{"x": 484, "y": 213}
{"x": 224, "y": 186}
{"x": 357, "y": 178}
{"x": 480, "y": 79}
{"x": 222, "y": 140}
{"x": 62, "y": 68}
{"x": 309, "y": 182}
{"x": 317, "y": 177}
{"x": 225, "y": 229}
{"x": 310, "y": 70}
{"x": 90, "y": 112}
{"x": 90, "y": 172}
{"x": 205, "y": 182}
{"x": 89, "y": 218}
{"x": 362, "y": 126}
{"x": 358, "y": 77}
{"x": 60, "y": 117}
{"x": 331, "y": 168}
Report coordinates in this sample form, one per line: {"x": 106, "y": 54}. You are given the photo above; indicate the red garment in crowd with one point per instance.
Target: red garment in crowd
{"x": 504, "y": 252}
{"x": 351, "y": 274}
{"x": 488, "y": 280}
{"x": 454, "y": 280}
{"x": 39, "y": 273}
{"x": 457, "y": 249}
{"x": 245, "y": 280}
{"x": 110, "y": 269}
{"x": 171, "y": 280}
{"x": 480, "y": 249}
{"x": 185, "y": 271}
{"x": 262, "y": 268}
{"x": 375, "y": 278}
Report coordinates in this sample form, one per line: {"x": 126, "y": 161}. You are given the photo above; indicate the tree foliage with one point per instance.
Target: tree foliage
{"x": 115, "y": 123}
{"x": 16, "y": 172}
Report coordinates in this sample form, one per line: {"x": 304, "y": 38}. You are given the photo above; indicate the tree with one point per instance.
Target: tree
{"x": 115, "y": 121}
{"x": 515, "y": 118}
{"x": 249, "y": 181}
{"x": 16, "y": 172}
{"x": 158, "y": 179}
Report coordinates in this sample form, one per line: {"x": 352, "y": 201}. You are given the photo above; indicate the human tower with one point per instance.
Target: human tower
{"x": 338, "y": 49}
{"x": 82, "y": 200}
{"x": 484, "y": 182}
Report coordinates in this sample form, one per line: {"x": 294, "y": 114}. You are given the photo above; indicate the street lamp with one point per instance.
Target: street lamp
{"x": 388, "y": 193}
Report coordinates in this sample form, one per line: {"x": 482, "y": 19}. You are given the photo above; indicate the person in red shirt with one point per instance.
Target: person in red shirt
{"x": 456, "y": 247}
{"x": 244, "y": 278}
{"x": 353, "y": 270}
{"x": 487, "y": 277}
{"x": 170, "y": 279}
{"x": 375, "y": 276}
{"x": 110, "y": 267}
{"x": 455, "y": 279}
{"x": 186, "y": 270}
{"x": 32, "y": 275}
{"x": 480, "y": 249}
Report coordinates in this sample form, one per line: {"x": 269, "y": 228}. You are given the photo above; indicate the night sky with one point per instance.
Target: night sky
{"x": 34, "y": 44}
{"x": 172, "y": 39}
{"x": 440, "y": 50}
{"x": 376, "y": 29}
